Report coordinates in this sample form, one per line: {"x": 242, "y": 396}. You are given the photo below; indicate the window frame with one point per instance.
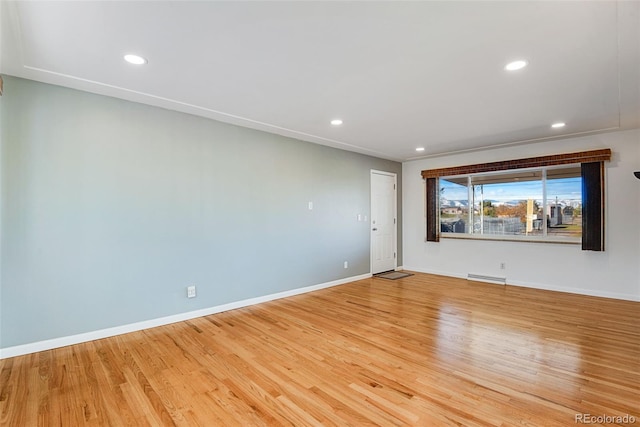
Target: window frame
{"x": 592, "y": 173}
{"x": 543, "y": 179}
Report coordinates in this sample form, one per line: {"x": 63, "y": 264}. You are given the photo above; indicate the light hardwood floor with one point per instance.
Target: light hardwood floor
{"x": 425, "y": 350}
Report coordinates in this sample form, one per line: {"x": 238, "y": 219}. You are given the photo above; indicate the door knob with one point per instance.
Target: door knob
{"x": 374, "y": 229}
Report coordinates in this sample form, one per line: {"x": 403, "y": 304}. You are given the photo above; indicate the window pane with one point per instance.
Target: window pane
{"x": 511, "y": 203}
{"x": 454, "y": 205}
{"x": 564, "y": 202}
{"x": 508, "y": 204}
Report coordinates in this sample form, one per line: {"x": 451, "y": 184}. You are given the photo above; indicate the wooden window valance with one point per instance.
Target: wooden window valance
{"x": 531, "y": 162}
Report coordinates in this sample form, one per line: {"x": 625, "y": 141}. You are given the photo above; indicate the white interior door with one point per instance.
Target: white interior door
{"x": 383, "y": 222}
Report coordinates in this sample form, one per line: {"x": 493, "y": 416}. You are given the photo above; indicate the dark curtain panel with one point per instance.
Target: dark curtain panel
{"x": 592, "y": 206}
{"x": 432, "y": 210}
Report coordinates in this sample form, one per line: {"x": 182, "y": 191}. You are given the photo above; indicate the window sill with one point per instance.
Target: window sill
{"x": 514, "y": 238}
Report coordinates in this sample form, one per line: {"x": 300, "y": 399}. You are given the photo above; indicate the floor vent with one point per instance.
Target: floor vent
{"x": 488, "y": 279}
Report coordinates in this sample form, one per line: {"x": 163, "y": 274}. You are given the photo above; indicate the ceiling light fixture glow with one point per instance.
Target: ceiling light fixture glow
{"x": 558, "y": 125}
{"x": 420, "y": 149}
{"x": 336, "y": 122}
{"x": 516, "y": 65}
{"x": 135, "y": 59}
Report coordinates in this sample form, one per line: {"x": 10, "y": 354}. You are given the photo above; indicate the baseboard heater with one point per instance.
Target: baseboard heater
{"x": 488, "y": 279}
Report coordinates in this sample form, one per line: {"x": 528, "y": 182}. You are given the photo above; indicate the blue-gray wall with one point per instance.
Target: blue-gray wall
{"x": 109, "y": 209}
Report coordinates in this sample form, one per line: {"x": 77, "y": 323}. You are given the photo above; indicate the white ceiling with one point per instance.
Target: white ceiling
{"x": 400, "y": 74}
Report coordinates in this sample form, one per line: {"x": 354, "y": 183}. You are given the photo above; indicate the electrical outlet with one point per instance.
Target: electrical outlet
{"x": 503, "y": 266}
{"x": 346, "y": 264}
{"x": 191, "y": 291}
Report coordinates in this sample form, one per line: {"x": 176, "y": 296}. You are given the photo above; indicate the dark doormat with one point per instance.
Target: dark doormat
{"x": 392, "y": 275}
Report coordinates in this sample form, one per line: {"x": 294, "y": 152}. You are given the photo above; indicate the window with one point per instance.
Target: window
{"x": 536, "y": 204}
{"x": 550, "y": 198}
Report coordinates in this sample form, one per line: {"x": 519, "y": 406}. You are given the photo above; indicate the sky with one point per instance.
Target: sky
{"x": 563, "y": 189}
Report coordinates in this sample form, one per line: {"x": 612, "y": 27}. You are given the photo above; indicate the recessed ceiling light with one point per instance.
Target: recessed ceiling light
{"x": 135, "y": 59}
{"x": 516, "y": 65}
{"x": 558, "y": 125}
{"x": 420, "y": 149}
{"x": 336, "y": 122}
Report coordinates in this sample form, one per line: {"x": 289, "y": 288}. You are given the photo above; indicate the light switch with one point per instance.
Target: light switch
{"x": 191, "y": 291}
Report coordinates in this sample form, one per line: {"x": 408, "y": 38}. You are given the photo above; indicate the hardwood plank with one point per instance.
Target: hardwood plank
{"x": 423, "y": 350}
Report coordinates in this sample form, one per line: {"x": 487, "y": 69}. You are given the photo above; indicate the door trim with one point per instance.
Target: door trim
{"x": 395, "y": 215}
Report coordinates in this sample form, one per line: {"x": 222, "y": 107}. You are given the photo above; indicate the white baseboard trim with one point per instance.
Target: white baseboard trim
{"x": 436, "y": 272}
{"x": 579, "y": 291}
{"x": 20, "y": 350}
